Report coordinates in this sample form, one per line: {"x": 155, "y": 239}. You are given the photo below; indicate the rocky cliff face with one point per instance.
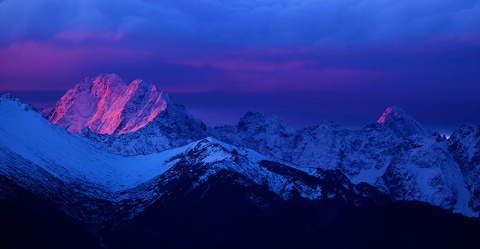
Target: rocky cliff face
{"x": 106, "y": 105}
{"x": 465, "y": 146}
{"x": 127, "y": 119}
{"x": 396, "y": 154}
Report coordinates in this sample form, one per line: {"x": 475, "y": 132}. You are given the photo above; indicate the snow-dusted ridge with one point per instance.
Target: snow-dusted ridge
{"x": 396, "y": 154}
{"x": 68, "y": 157}
{"x": 67, "y": 170}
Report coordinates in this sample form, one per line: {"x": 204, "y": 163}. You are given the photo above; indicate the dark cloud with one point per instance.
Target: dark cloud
{"x": 267, "y": 22}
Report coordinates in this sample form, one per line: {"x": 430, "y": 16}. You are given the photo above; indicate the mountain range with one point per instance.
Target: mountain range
{"x": 125, "y": 166}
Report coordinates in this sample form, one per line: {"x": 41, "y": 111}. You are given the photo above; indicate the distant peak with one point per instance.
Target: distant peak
{"x": 330, "y": 124}
{"x": 108, "y": 76}
{"x": 109, "y": 80}
{"x": 106, "y": 105}
{"x": 165, "y": 96}
{"x": 9, "y": 96}
{"x": 100, "y": 85}
{"x": 102, "y": 79}
{"x": 254, "y": 115}
{"x": 257, "y": 118}
{"x": 392, "y": 113}
{"x": 254, "y": 120}
{"x": 142, "y": 83}
{"x": 401, "y": 123}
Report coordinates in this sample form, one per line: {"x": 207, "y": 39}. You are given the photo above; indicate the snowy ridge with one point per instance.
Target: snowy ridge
{"x": 97, "y": 186}
{"x": 465, "y": 146}
{"x": 265, "y": 134}
{"x": 396, "y": 154}
{"x": 46, "y": 160}
{"x": 68, "y": 157}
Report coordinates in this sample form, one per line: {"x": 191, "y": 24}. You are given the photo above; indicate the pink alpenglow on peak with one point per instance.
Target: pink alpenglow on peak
{"x": 391, "y": 110}
{"x": 106, "y": 105}
{"x": 401, "y": 123}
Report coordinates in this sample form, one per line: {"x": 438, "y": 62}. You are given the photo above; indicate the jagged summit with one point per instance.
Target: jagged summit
{"x": 391, "y": 114}
{"x": 49, "y": 176}
{"x": 259, "y": 120}
{"x": 391, "y": 155}
{"x": 128, "y": 119}
{"x": 11, "y": 98}
{"x": 106, "y": 105}
{"x": 401, "y": 123}
{"x": 8, "y": 96}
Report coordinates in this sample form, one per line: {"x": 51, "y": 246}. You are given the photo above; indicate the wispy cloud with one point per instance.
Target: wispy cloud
{"x": 243, "y": 22}
{"x": 324, "y": 54}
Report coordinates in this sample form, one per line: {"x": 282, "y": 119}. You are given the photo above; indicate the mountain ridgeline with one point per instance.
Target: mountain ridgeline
{"x": 118, "y": 165}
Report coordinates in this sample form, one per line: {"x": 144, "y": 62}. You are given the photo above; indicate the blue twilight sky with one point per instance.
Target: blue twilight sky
{"x": 305, "y": 61}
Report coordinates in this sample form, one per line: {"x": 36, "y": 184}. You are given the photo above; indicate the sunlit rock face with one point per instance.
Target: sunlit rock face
{"x": 106, "y": 105}
{"x": 126, "y": 119}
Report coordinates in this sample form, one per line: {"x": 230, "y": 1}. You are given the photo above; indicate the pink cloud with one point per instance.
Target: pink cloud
{"x": 84, "y": 35}
{"x": 39, "y": 60}
{"x": 255, "y": 70}
{"x": 260, "y": 60}
{"x": 472, "y": 38}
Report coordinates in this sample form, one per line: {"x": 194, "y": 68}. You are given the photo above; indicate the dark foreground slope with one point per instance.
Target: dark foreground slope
{"x": 27, "y": 221}
{"x": 224, "y": 217}
{"x": 221, "y": 214}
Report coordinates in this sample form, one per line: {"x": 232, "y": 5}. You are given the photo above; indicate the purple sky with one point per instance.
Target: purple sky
{"x": 305, "y": 61}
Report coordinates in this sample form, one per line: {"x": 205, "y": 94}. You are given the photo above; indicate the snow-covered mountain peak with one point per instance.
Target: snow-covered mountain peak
{"x": 166, "y": 96}
{"x": 330, "y": 125}
{"x": 10, "y": 103}
{"x": 392, "y": 155}
{"x": 106, "y": 84}
{"x": 401, "y": 123}
{"x": 10, "y": 97}
{"x": 260, "y": 121}
{"x": 106, "y": 105}
{"x": 391, "y": 114}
